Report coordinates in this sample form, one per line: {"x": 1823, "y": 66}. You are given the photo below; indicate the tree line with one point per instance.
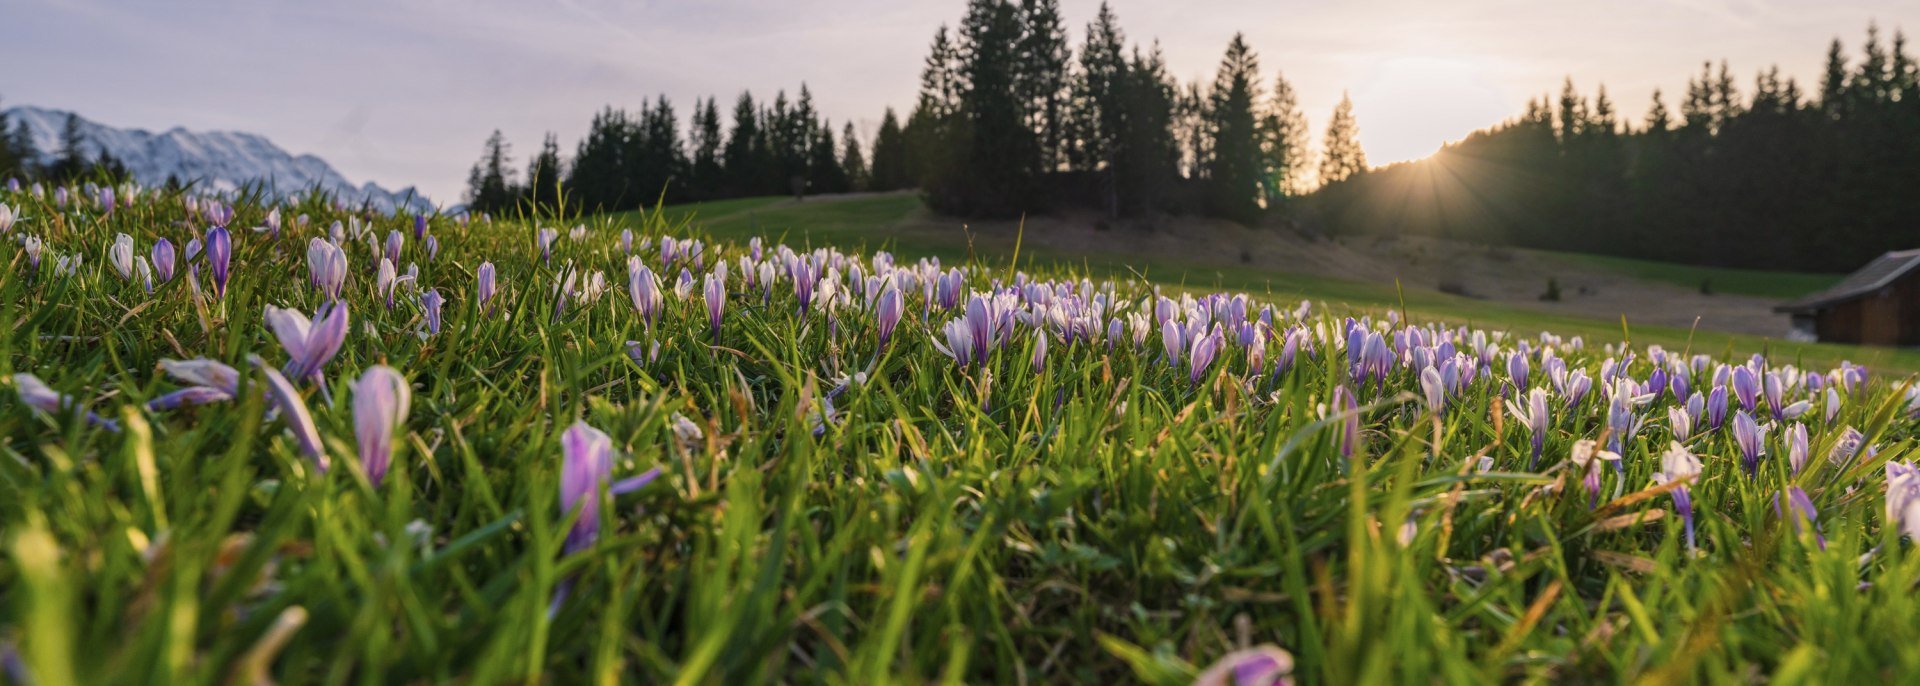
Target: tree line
{"x": 1775, "y": 177}
{"x": 634, "y": 159}
{"x": 1011, "y": 118}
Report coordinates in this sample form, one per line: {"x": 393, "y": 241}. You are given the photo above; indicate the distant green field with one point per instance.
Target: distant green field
{"x": 891, "y": 222}
{"x": 1767, "y": 284}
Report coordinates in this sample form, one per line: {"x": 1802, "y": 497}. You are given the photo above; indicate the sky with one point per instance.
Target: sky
{"x": 404, "y": 92}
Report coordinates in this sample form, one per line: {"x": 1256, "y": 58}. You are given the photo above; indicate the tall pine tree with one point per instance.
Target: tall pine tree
{"x": 1341, "y": 157}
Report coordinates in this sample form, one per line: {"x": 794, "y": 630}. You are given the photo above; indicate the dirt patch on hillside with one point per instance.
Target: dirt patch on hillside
{"x": 1507, "y": 276}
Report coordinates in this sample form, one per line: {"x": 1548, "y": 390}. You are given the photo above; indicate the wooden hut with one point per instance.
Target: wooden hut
{"x": 1877, "y": 305}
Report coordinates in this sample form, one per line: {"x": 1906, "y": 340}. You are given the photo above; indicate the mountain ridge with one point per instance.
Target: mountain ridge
{"x": 222, "y": 160}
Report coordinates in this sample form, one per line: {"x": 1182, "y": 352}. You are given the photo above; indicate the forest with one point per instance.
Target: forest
{"x": 1013, "y": 118}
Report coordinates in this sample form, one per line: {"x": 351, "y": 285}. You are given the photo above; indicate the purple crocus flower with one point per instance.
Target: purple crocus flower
{"x": 1435, "y": 390}
{"x": 891, "y": 307}
{"x": 1263, "y": 665}
{"x": 485, "y": 285}
{"x": 163, "y": 259}
{"x": 1717, "y": 407}
{"x": 120, "y": 255}
{"x": 546, "y": 237}
{"x": 209, "y": 382}
{"x": 38, "y": 395}
{"x": 1589, "y": 461}
{"x": 220, "y": 214}
{"x": 1746, "y": 387}
{"x": 586, "y": 466}
{"x": 1518, "y": 370}
{"x": 626, "y": 241}
{"x": 1801, "y": 512}
{"x": 1903, "y": 498}
{"x": 293, "y": 410}
{"x": 1537, "y": 421}
{"x": 1775, "y": 390}
{"x": 1845, "y": 447}
{"x": 1797, "y": 448}
{"x": 395, "y": 242}
{"x": 1750, "y": 437}
{"x": 1173, "y": 338}
{"x": 326, "y": 266}
{"x": 380, "y": 402}
{"x": 1344, "y": 404}
{"x": 1578, "y": 386}
{"x": 1680, "y": 422}
{"x": 644, "y": 286}
{"x": 192, "y": 249}
{"x": 715, "y": 294}
{"x": 219, "y": 258}
{"x": 1039, "y": 352}
{"x": 386, "y": 280}
{"x": 1680, "y": 464}
{"x": 419, "y": 226}
{"x": 430, "y": 303}
{"x": 433, "y": 247}
{"x": 1200, "y": 356}
{"x": 309, "y": 344}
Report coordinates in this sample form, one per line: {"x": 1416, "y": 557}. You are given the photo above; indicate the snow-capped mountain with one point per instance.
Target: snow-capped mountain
{"x": 218, "y": 160}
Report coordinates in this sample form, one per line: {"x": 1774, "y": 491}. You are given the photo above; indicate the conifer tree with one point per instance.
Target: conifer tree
{"x": 1042, "y": 79}
{"x": 890, "y": 168}
{"x": 543, "y": 175}
{"x": 706, "y": 177}
{"x": 1236, "y": 165}
{"x": 852, "y": 163}
{"x": 1341, "y": 157}
{"x": 1284, "y": 151}
{"x": 490, "y": 183}
{"x": 739, "y": 159}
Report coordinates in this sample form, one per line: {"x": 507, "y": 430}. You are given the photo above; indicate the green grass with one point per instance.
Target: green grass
{"x": 1762, "y": 283}
{"x": 852, "y": 512}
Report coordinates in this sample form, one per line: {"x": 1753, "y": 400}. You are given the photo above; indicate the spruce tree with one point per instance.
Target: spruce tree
{"x": 890, "y": 169}
{"x": 71, "y": 160}
{"x": 1658, "y": 119}
{"x": 824, "y": 173}
{"x": 1100, "y": 117}
{"x": 1284, "y": 152}
{"x": 1042, "y": 79}
{"x": 1236, "y": 166}
{"x": 852, "y": 163}
{"x": 1147, "y": 160}
{"x": 739, "y": 158}
{"x": 490, "y": 183}
{"x": 543, "y": 175}
{"x": 1341, "y": 157}
{"x": 705, "y": 179}
{"x": 1833, "y": 82}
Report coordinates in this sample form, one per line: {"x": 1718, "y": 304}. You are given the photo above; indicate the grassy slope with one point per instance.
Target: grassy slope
{"x": 1743, "y": 281}
{"x": 887, "y": 222}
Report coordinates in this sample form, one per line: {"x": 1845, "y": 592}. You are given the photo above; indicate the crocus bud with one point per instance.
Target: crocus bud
{"x": 430, "y": 303}
{"x": 163, "y": 259}
{"x": 380, "y": 403}
{"x": 485, "y": 284}
{"x": 219, "y": 258}
{"x": 121, "y": 255}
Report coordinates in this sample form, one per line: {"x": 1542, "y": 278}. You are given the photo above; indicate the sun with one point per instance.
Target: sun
{"x": 1410, "y": 105}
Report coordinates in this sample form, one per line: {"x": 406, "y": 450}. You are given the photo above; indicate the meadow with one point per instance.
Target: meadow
{"x": 298, "y": 443}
